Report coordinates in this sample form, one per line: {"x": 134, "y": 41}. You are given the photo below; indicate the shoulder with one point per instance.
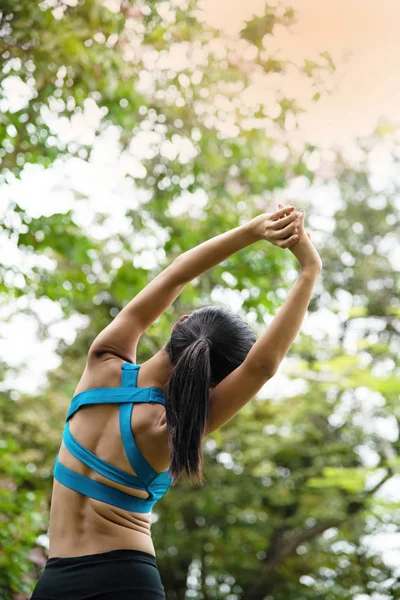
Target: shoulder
{"x": 100, "y": 371}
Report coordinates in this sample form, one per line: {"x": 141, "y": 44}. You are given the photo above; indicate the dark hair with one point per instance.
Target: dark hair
{"x": 204, "y": 348}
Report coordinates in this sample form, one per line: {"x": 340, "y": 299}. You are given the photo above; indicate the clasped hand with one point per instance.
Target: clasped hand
{"x": 285, "y": 228}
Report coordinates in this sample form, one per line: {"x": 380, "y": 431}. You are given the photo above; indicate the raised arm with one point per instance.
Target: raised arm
{"x": 263, "y": 360}
{"x": 276, "y": 228}
{"x": 121, "y": 336}
{"x": 272, "y": 347}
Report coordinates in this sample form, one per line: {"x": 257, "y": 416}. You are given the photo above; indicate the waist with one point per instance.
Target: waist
{"x": 101, "y": 557}
{"x": 81, "y": 525}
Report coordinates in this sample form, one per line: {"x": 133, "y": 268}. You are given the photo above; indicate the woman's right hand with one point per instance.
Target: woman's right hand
{"x": 304, "y": 250}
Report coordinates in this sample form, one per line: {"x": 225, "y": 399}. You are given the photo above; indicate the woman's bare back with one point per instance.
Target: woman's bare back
{"x": 79, "y": 524}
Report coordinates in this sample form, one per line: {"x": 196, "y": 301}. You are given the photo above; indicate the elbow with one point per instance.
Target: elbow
{"x": 268, "y": 369}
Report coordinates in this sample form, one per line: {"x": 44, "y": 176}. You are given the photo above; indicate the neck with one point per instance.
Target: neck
{"x": 161, "y": 365}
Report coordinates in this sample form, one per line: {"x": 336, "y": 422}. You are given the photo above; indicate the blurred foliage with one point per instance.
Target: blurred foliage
{"x": 291, "y": 489}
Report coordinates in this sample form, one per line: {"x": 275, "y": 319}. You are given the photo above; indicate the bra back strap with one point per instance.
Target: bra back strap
{"x": 99, "y": 465}
{"x": 114, "y": 396}
{"x": 99, "y": 491}
{"x": 129, "y": 375}
{"x": 137, "y": 461}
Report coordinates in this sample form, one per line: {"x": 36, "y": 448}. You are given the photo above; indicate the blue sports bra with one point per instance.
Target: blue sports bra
{"x": 155, "y": 484}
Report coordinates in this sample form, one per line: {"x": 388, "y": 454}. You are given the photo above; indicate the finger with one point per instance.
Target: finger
{"x": 283, "y": 221}
{"x": 290, "y": 229}
{"x": 282, "y": 212}
{"x": 300, "y": 220}
{"x": 288, "y": 242}
{"x": 309, "y": 236}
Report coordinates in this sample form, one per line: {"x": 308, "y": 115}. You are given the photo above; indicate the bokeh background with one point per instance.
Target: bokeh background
{"x": 133, "y": 131}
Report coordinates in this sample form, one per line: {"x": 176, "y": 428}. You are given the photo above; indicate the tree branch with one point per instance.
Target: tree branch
{"x": 281, "y": 545}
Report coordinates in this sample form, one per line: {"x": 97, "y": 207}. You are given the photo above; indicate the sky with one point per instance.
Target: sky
{"x": 362, "y": 38}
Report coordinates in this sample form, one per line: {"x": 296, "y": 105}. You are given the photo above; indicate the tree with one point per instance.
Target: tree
{"x": 288, "y": 495}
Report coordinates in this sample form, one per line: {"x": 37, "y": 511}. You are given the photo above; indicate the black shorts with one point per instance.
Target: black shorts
{"x": 114, "y": 575}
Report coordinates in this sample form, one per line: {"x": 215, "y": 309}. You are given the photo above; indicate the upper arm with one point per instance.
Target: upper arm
{"x": 233, "y": 392}
{"x": 121, "y": 336}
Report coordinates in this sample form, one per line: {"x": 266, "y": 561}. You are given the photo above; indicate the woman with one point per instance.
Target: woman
{"x": 115, "y": 462}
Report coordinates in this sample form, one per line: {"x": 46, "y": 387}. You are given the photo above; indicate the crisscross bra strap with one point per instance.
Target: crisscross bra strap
{"x": 136, "y": 459}
{"x": 100, "y": 491}
{"x": 126, "y": 396}
{"x": 115, "y": 396}
{"x": 98, "y": 464}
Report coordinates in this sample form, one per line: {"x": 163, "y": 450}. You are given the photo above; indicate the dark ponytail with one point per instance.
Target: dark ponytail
{"x": 187, "y": 408}
{"x": 203, "y": 349}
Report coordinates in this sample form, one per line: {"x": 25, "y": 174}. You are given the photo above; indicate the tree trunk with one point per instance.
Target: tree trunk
{"x": 174, "y": 578}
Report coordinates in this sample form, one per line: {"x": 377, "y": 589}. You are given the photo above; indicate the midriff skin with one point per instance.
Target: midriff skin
{"x": 80, "y": 525}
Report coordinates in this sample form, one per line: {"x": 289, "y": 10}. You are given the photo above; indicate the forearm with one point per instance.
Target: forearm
{"x": 269, "y": 351}
{"x": 206, "y": 255}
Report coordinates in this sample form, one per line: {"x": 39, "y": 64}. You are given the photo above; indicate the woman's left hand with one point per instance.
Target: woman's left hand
{"x": 279, "y": 228}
